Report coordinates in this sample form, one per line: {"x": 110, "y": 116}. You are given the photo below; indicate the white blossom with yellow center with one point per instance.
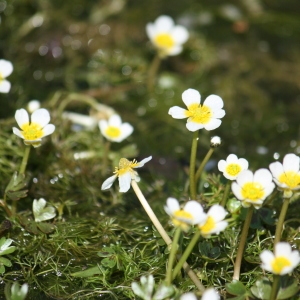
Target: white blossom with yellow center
{"x": 6, "y": 69}
{"x": 282, "y": 261}
{"x": 232, "y": 166}
{"x": 253, "y": 189}
{"x": 125, "y": 173}
{"x": 191, "y": 214}
{"x": 287, "y": 175}
{"x": 166, "y": 36}
{"x": 199, "y": 116}
{"x": 214, "y": 221}
{"x": 33, "y": 131}
{"x": 114, "y": 130}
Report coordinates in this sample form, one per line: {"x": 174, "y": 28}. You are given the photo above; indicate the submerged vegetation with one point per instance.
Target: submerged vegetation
{"x": 105, "y": 194}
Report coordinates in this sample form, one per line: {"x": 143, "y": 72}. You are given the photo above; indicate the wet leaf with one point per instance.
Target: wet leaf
{"x": 109, "y": 262}
{"x": 262, "y": 289}
{"x": 236, "y": 288}
{"x": 45, "y": 227}
{"x": 288, "y": 287}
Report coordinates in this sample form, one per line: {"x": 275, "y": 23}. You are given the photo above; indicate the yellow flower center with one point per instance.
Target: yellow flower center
{"x": 209, "y": 225}
{"x": 1, "y": 77}
{"x": 290, "y": 178}
{"x": 125, "y": 166}
{"x": 164, "y": 40}
{"x": 199, "y": 114}
{"x": 279, "y": 263}
{"x": 253, "y": 191}
{"x": 233, "y": 169}
{"x": 179, "y": 217}
{"x": 113, "y": 132}
{"x": 32, "y": 131}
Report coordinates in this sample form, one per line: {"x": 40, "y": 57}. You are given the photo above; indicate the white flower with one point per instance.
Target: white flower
{"x": 33, "y": 105}
{"x": 33, "y": 132}
{"x": 191, "y": 214}
{"x": 188, "y": 296}
{"x": 41, "y": 212}
{"x": 233, "y": 166}
{"x": 210, "y": 294}
{"x": 214, "y": 221}
{"x": 167, "y": 37}
{"x": 125, "y": 173}
{"x": 215, "y": 141}
{"x": 114, "y": 130}
{"x": 253, "y": 188}
{"x": 283, "y": 261}
{"x": 6, "y": 69}
{"x": 199, "y": 116}
{"x": 287, "y": 175}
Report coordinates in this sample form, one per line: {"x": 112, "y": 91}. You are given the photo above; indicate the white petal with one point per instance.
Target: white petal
{"x": 244, "y": 177}
{"x": 267, "y": 257}
{"x": 212, "y": 124}
{"x": 172, "y": 206}
{"x": 210, "y": 294}
{"x": 283, "y": 249}
{"x": 236, "y": 189}
{"x": 291, "y": 163}
{"x": 6, "y": 67}
{"x": 232, "y": 158}
{"x": 21, "y": 117}
{"x": 269, "y": 189}
{"x": 40, "y": 116}
{"x": 276, "y": 169}
{"x": 196, "y": 210}
{"x": 295, "y": 258}
{"x": 222, "y": 165}
{"x": 180, "y": 34}
{"x": 108, "y": 182}
{"x": 214, "y": 102}
{"x": 48, "y": 129}
{"x": 189, "y": 296}
{"x": 192, "y": 126}
{"x": 126, "y": 130}
{"x": 124, "y": 182}
{"x": 163, "y": 24}
{"x": 175, "y": 50}
{"x": 218, "y": 114}
{"x": 17, "y": 132}
{"x": 150, "y": 30}
{"x": 177, "y": 112}
{"x": 263, "y": 176}
{"x": 217, "y": 212}
{"x": 191, "y": 96}
{"x": 115, "y": 120}
{"x": 243, "y": 163}
{"x": 4, "y": 86}
{"x": 143, "y": 161}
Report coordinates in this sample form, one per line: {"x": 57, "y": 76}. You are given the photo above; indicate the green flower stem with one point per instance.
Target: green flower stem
{"x": 6, "y": 208}
{"x": 240, "y": 251}
{"x": 105, "y": 157}
{"x": 226, "y": 193}
{"x": 204, "y": 162}
{"x": 25, "y": 160}
{"x": 172, "y": 255}
{"x": 282, "y": 215}
{"x": 163, "y": 233}
{"x": 186, "y": 253}
{"x": 275, "y": 285}
{"x": 152, "y": 72}
{"x": 193, "y": 165}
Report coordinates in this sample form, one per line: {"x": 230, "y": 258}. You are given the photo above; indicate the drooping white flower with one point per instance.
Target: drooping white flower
{"x": 6, "y": 69}
{"x": 191, "y": 214}
{"x": 41, "y": 211}
{"x": 199, "y": 116}
{"x": 282, "y": 261}
{"x": 214, "y": 221}
{"x": 232, "y": 166}
{"x": 125, "y": 173}
{"x": 253, "y": 189}
{"x": 33, "y": 131}
{"x": 287, "y": 175}
{"x": 33, "y": 105}
{"x": 166, "y": 36}
{"x": 114, "y": 130}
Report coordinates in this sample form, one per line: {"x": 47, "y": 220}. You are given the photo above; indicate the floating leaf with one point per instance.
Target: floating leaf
{"x": 109, "y": 262}
{"x": 262, "y": 289}
{"x": 41, "y": 212}
{"x": 236, "y": 288}
{"x": 45, "y": 227}
{"x": 288, "y": 287}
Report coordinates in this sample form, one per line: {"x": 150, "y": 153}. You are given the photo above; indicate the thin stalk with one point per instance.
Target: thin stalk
{"x": 152, "y": 72}
{"x": 193, "y": 165}
{"x": 186, "y": 253}
{"x": 24, "y": 160}
{"x": 162, "y": 232}
{"x": 6, "y": 208}
{"x": 226, "y": 193}
{"x": 280, "y": 222}
{"x": 202, "y": 165}
{"x": 105, "y": 156}
{"x": 275, "y": 285}
{"x": 172, "y": 255}
{"x": 240, "y": 251}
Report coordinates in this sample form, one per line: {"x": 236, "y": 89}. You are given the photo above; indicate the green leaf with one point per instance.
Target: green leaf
{"x": 45, "y": 227}
{"x": 262, "y": 289}
{"x": 14, "y": 188}
{"x": 288, "y": 287}
{"x": 241, "y": 297}
{"x": 6, "y": 262}
{"x": 109, "y": 262}
{"x": 97, "y": 270}
{"x": 5, "y": 247}
{"x": 2, "y": 269}
{"x": 107, "y": 251}
{"x": 41, "y": 212}
{"x": 236, "y": 288}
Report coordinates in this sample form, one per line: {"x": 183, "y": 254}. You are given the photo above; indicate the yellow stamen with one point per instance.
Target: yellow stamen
{"x": 233, "y": 169}
{"x": 209, "y": 225}
{"x": 199, "y": 114}
{"x": 125, "y": 166}
{"x": 290, "y": 178}
{"x": 32, "y": 131}
{"x": 113, "y": 132}
{"x": 253, "y": 191}
{"x": 279, "y": 263}
{"x": 164, "y": 40}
